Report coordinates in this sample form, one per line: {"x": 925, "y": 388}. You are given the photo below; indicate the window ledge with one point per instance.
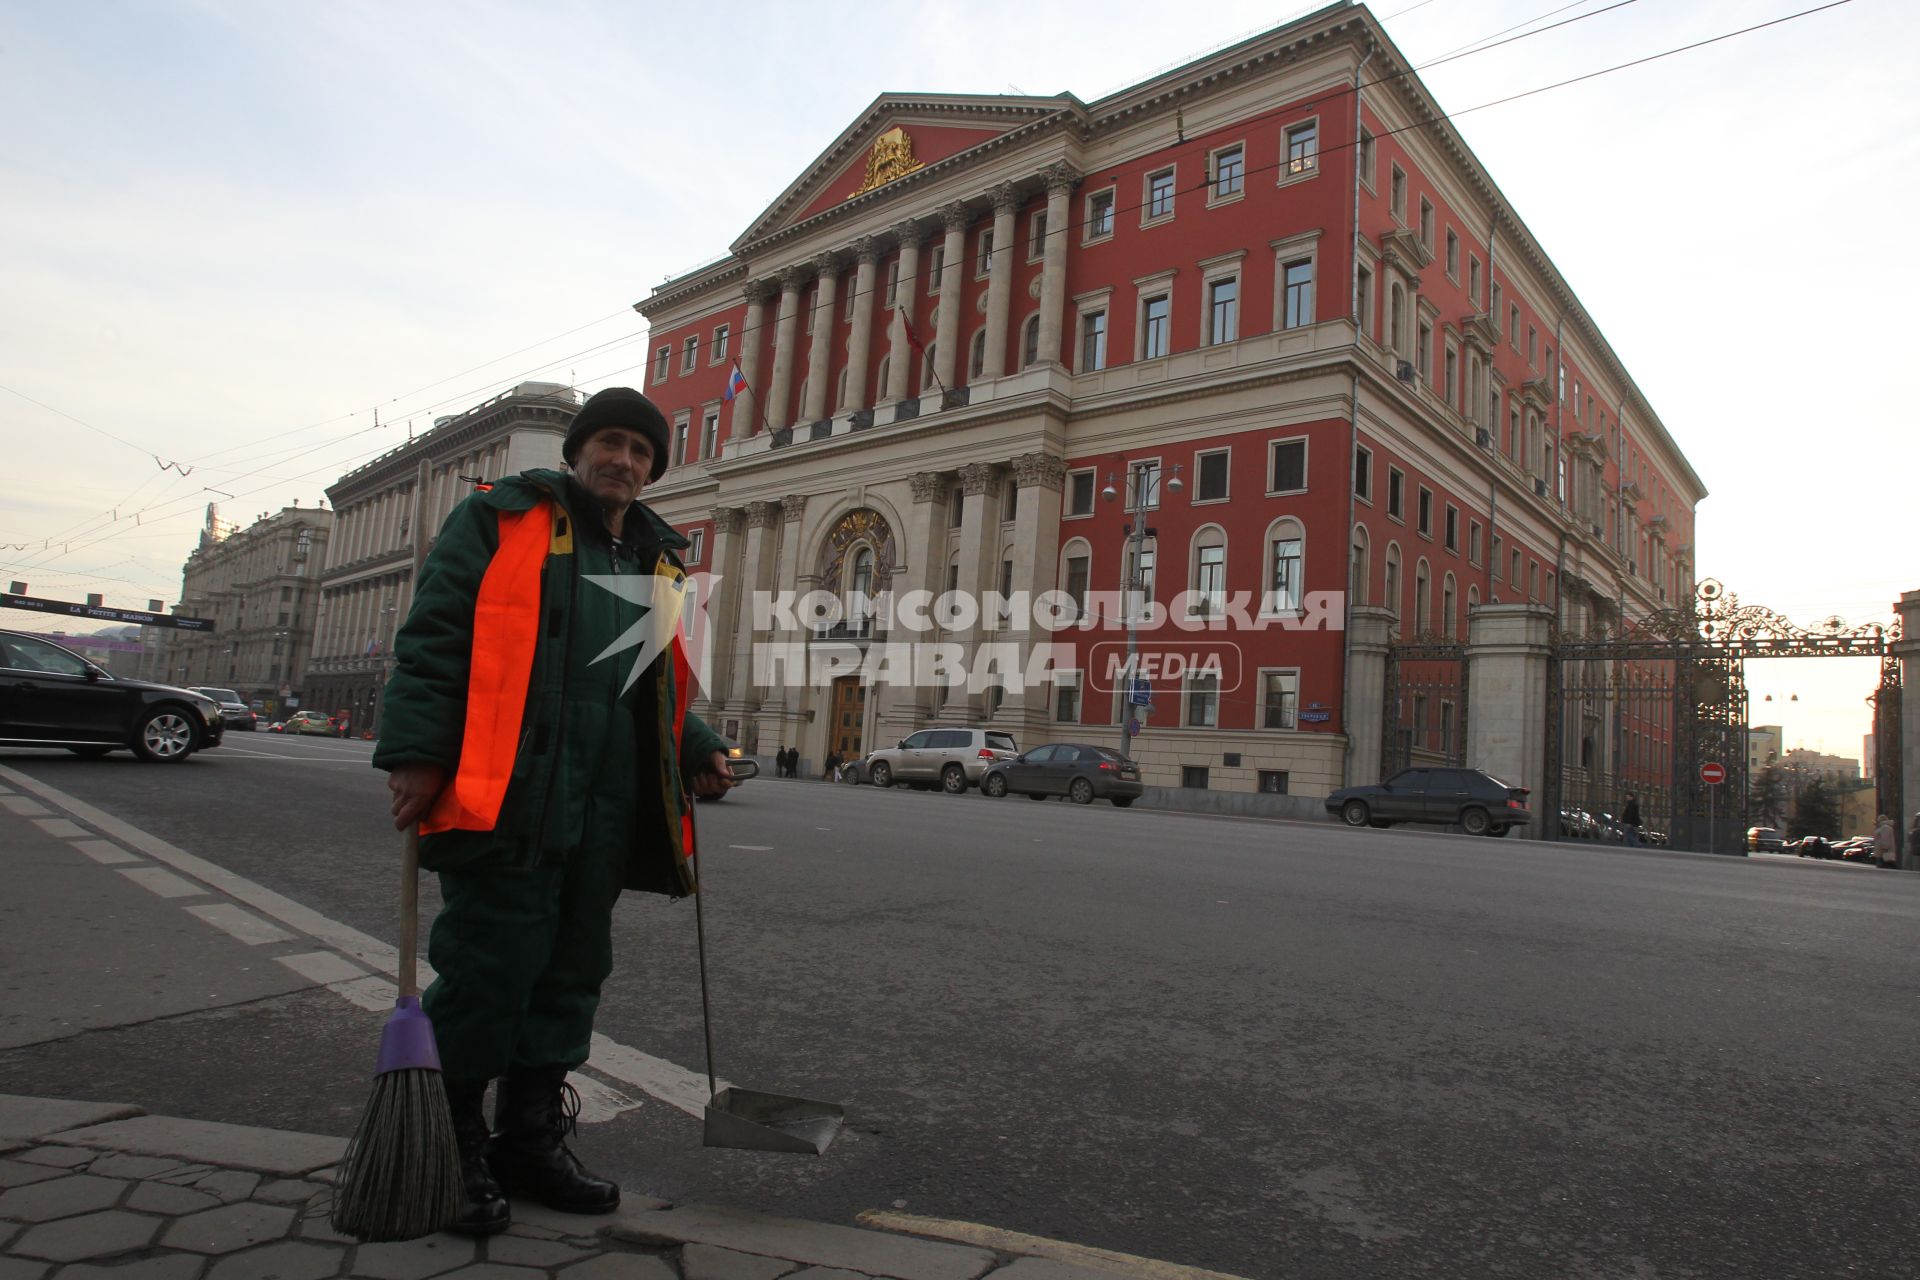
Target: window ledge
{"x": 1288, "y": 178}
{"x": 1215, "y": 200}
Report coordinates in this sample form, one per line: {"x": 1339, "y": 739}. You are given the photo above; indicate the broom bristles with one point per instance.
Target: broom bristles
{"x": 400, "y": 1178}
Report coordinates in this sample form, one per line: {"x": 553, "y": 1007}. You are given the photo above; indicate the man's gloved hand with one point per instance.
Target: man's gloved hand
{"x": 716, "y": 778}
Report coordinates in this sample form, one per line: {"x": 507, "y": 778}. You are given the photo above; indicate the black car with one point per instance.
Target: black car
{"x": 53, "y": 697}
{"x": 1478, "y": 803}
{"x": 235, "y": 714}
{"x": 1075, "y": 770}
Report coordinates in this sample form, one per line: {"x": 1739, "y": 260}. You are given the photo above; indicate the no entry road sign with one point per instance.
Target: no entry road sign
{"x": 1713, "y": 774}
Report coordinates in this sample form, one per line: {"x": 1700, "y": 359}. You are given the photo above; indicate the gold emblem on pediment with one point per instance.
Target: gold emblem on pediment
{"x": 891, "y": 157}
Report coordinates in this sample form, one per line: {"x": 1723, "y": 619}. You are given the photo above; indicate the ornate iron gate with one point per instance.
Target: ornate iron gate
{"x": 1425, "y": 705}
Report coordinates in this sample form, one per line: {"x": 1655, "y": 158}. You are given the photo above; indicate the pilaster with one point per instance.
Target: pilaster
{"x": 1508, "y": 649}
{"x": 1006, "y": 204}
{"x": 1369, "y": 633}
{"x": 866, "y": 253}
{"x": 952, "y": 333}
{"x": 1061, "y": 179}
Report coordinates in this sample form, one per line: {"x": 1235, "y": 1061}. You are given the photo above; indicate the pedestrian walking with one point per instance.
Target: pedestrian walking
{"x": 1885, "y": 846}
{"x": 833, "y": 766}
{"x": 1630, "y": 819}
{"x": 792, "y": 762}
{"x": 536, "y": 729}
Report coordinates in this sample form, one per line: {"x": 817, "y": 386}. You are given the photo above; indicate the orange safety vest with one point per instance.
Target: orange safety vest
{"x": 506, "y": 631}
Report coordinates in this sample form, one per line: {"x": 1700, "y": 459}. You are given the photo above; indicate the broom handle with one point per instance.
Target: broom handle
{"x": 700, "y": 945}
{"x": 409, "y": 976}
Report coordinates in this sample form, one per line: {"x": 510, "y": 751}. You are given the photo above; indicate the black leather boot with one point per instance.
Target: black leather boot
{"x": 484, "y": 1210}
{"x": 535, "y": 1111}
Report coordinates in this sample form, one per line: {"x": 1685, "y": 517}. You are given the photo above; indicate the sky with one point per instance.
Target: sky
{"x": 232, "y": 231}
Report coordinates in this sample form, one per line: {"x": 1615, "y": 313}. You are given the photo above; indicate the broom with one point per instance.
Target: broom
{"x": 400, "y": 1178}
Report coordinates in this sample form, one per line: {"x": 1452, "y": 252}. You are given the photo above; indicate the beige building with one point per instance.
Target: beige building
{"x": 259, "y": 586}
{"x": 381, "y": 508}
{"x": 1805, "y": 765}
{"x": 1766, "y": 743}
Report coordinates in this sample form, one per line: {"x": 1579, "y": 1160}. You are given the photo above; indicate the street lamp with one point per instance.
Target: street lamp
{"x": 1142, "y": 477}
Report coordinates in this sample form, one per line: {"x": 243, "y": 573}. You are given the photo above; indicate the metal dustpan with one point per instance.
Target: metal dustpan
{"x": 747, "y": 1119}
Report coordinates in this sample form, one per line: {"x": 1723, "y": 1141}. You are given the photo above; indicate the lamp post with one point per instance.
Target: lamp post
{"x": 1142, "y": 483}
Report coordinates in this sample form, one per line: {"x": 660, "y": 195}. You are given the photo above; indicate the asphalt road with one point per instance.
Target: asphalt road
{"x": 1278, "y": 1050}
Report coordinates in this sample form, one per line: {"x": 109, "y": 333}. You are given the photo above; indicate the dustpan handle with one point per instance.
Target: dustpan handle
{"x": 409, "y": 973}
{"x": 700, "y": 945}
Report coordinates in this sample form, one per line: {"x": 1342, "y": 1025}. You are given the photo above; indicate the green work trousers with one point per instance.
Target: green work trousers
{"x": 520, "y": 954}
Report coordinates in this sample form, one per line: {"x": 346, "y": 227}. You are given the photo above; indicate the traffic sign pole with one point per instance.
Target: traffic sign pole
{"x": 1713, "y": 773}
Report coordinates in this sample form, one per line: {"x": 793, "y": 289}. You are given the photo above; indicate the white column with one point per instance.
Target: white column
{"x": 820, "y": 357}
{"x": 900, "y": 355}
{"x": 756, "y": 575}
{"x": 1006, "y": 204}
{"x": 923, "y": 567}
{"x": 723, "y": 606}
{"x": 952, "y": 334}
{"x": 780, "y": 397}
{"x": 979, "y": 559}
{"x": 1061, "y": 180}
{"x": 1036, "y": 540}
{"x": 745, "y": 420}
{"x": 1369, "y": 634}
{"x": 860, "y": 345}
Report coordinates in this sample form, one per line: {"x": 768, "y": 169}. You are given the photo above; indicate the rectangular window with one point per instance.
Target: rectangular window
{"x": 1533, "y": 347}
{"x": 1396, "y": 493}
{"x": 1146, "y": 485}
{"x": 1473, "y": 279}
{"x": 1363, "y": 473}
{"x": 1203, "y": 701}
{"x": 938, "y": 269}
{"x": 1010, "y": 503}
{"x": 720, "y": 338}
{"x": 1367, "y": 158}
{"x": 1513, "y": 326}
{"x": 1229, "y": 171}
{"x": 1279, "y": 702}
{"x": 1453, "y": 255}
{"x": 710, "y": 435}
{"x": 1066, "y": 708}
{"x": 1210, "y": 580}
{"x": 1223, "y": 311}
{"x": 1299, "y": 287}
{"x": 1303, "y": 147}
{"x": 1078, "y": 574}
{"x": 1037, "y": 241}
{"x": 1425, "y": 524}
{"x": 1193, "y": 777}
{"x": 1140, "y": 574}
{"x": 1283, "y": 591}
{"x": 679, "y": 443}
{"x": 1154, "y": 324}
{"x": 1364, "y": 286}
{"x": 1099, "y": 215}
{"x": 1423, "y": 354}
{"x": 1160, "y": 195}
{"x": 1453, "y": 375}
{"x": 1093, "y": 341}
{"x": 985, "y": 263}
{"x": 1514, "y": 576}
{"x": 1289, "y": 473}
{"x": 1453, "y": 527}
{"x": 1473, "y": 542}
{"x": 1080, "y": 493}
{"x": 893, "y": 281}
{"x": 956, "y": 506}
{"x": 662, "y": 362}
{"x": 1426, "y": 223}
{"x": 1397, "y": 194}
{"x": 1273, "y": 782}
{"x": 696, "y": 546}
{"x": 1493, "y": 558}
{"x": 1210, "y": 485}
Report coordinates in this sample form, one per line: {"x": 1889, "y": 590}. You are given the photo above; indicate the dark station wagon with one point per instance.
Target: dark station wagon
{"x": 1478, "y": 803}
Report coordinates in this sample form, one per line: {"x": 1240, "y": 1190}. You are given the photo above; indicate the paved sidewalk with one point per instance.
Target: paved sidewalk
{"x": 92, "y": 1190}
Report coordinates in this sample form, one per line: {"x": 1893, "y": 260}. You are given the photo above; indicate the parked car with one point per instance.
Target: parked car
{"x": 234, "y": 711}
{"x": 1477, "y": 802}
{"x": 1075, "y": 770}
{"x": 52, "y": 697}
{"x": 278, "y": 726}
{"x": 952, "y": 759}
{"x": 312, "y": 722}
{"x": 1764, "y": 839}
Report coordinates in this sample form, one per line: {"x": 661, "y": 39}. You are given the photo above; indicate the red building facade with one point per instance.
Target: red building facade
{"x": 1269, "y": 297}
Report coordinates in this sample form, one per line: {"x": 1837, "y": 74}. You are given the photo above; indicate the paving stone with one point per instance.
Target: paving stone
{"x": 125, "y": 1166}
{"x": 288, "y": 1260}
{"x": 413, "y": 1259}
{"x": 1050, "y": 1269}
{"x": 289, "y": 1191}
{"x": 710, "y": 1262}
{"x": 58, "y": 1157}
{"x": 533, "y": 1253}
{"x": 229, "y": 1184}
{"x": 21, "y": 1269}
{"x": 186, "y": 1175}
{"x": 158, "y": 1197}
{"x": 61, "y": 1198}
{"x": 316, "y": 1226}
{"x": 93, "y": 1235}
{"x": 329, "y": 1175}
{"x": 169, "y": 1266}
{"x": 228, "y": 1228}
{"x": 8, "y": 1230}
{"x": 587, "y": 1225}
{"x": 232, "y": 1145}
{"x": 494, "y": 1271}
{"x": 26, "y": 1119}
{"x": 619, "y": 1266}
{"x": 15, "y": 1174}
{"x": 527, "y": 1231}
{"x": 835, "y": 1273}
{"x": 819, "y": 1244}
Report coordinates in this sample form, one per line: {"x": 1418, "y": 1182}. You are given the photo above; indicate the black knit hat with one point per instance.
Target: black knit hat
{"x": 618, "y": 407}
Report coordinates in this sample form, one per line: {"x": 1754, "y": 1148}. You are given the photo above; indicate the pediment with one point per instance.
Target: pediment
{"x": 898, "y": 137}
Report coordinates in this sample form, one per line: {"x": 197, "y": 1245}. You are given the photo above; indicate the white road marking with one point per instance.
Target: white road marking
{"x": 61, "y": 827}
{"x": 25, "y": 806}
{"x": 244, "y": 925}
{"x": 323, "y": 967}
{"x": 672, "y": 1084}
{"x": 104, "y": 851}
{"x": 753, "y": 848}
{"x": 163, "y": 882}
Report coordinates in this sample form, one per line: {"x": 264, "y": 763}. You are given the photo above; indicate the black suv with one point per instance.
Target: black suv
{"x": 1476, "y": 802}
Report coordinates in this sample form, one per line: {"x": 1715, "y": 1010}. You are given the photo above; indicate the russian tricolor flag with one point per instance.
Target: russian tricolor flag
{"x": 736, "y": 383}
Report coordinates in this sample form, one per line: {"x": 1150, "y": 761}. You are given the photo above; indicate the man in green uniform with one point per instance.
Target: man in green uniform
{"x": 535, "y": 729}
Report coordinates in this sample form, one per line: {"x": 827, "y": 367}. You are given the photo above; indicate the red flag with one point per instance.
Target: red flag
{"x": 913, "y": 339}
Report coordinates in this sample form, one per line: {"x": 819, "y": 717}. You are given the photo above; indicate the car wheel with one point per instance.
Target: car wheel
{"x": 953, "y": 780}
{"x": 1475, "y": 822}
{"x": 90, "y": 753}
{"x": 882, "y": 775}
{"x": 1081, "y": 792}
{"x": 165, "y": 735}
{"x": 1121, "y": 802}
{"x": 1355, "y": 813}
{"x": 851, "y": 775}
{"x": 994, "y": 784}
